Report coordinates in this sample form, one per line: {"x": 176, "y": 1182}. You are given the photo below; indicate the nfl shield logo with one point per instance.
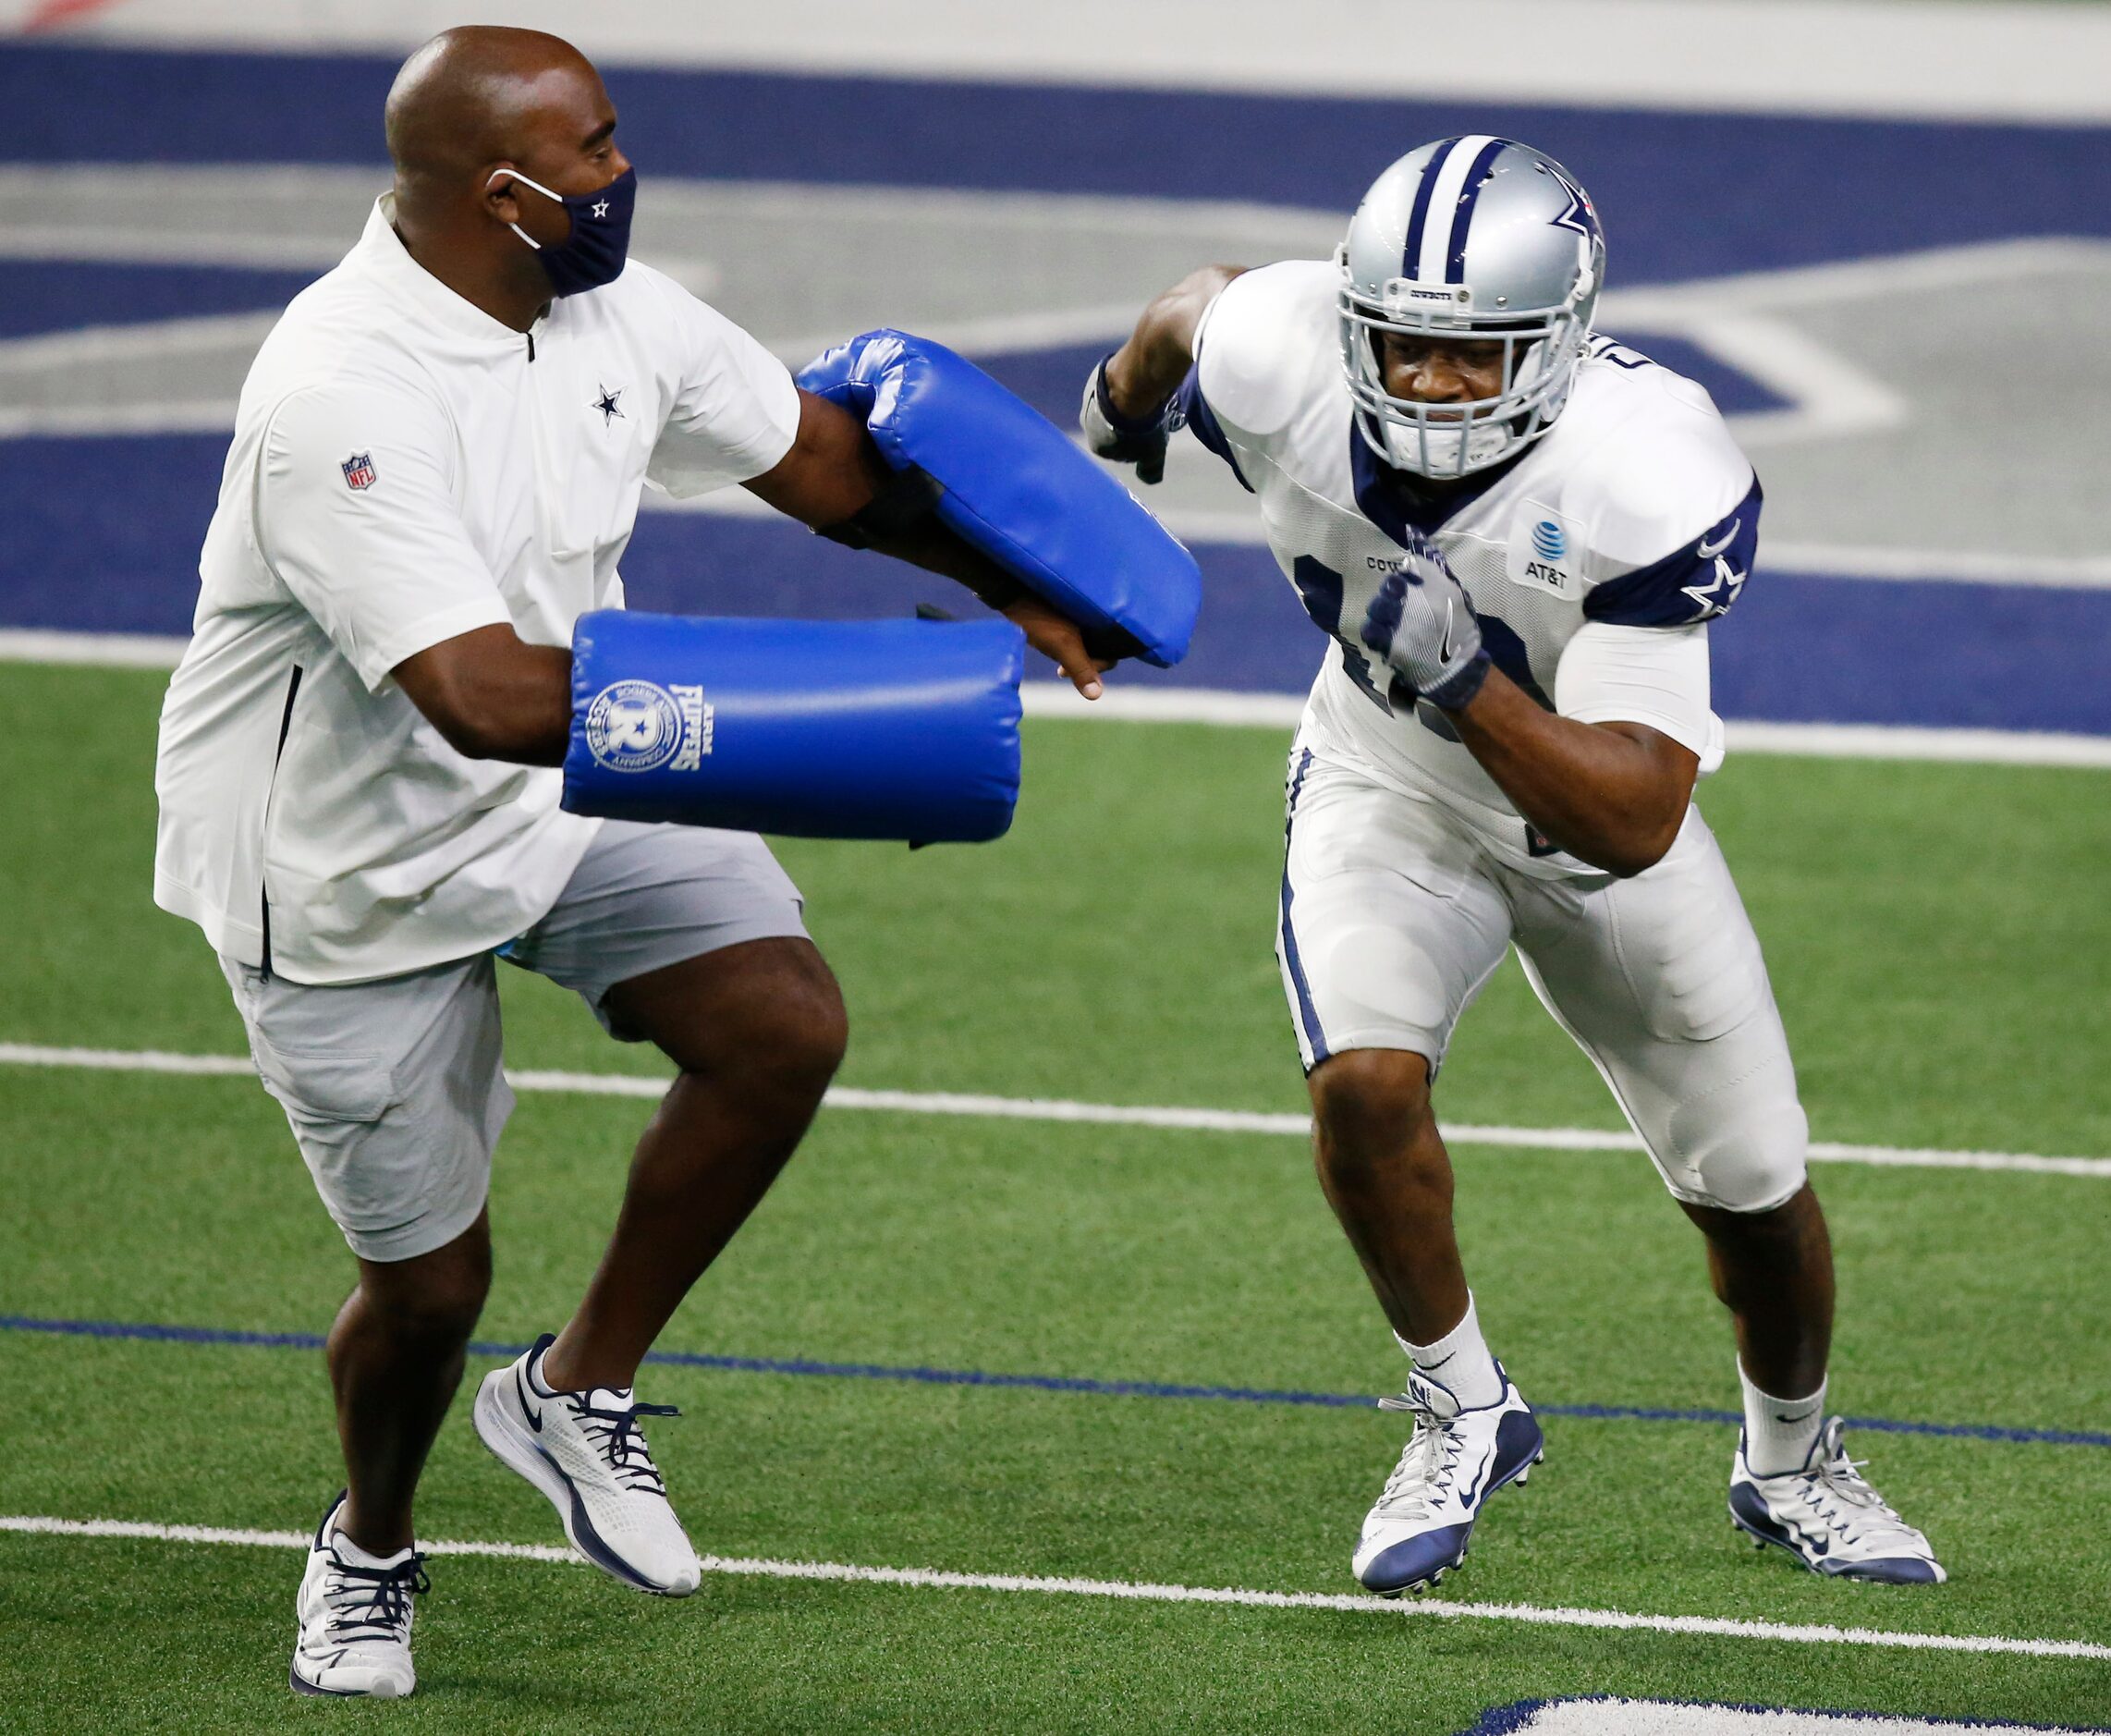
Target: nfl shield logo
{"x": 359, "y": 469}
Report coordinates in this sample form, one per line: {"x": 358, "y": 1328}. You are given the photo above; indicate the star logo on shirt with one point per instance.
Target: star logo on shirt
{"x": 609, "y": 404}
{"x": 600, "y": 208}
{"x": 1715, "y": 596}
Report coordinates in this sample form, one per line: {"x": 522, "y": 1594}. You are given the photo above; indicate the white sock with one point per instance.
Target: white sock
{"x": 1460, "y": 1360}
{"x": 349, "y": 1551}
{"x": 1779, "y": 1433}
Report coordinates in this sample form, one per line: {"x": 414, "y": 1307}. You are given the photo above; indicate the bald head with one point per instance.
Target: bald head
{"x": 482, "y": 94}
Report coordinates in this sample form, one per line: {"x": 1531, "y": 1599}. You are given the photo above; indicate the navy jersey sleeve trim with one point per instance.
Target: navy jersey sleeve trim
{"x": 1694, "y": 584}
{"x": 1194, "y": 408}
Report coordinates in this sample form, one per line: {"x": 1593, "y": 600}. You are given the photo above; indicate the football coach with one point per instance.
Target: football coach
{"x": 435, "y": 470}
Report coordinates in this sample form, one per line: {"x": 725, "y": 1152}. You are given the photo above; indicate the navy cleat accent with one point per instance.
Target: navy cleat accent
{"x": 355, "y": 1612}
{"x": 1423, "y": 1523}
{"x": 1827, "y": 1515}
{"x": 586, "y": 1453}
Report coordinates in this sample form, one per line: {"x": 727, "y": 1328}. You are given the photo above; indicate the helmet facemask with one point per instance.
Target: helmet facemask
{"x": 1541, "y": 348}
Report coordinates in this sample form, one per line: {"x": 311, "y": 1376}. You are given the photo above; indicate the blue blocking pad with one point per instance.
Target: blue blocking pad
{"x": 1018, "y": 489}
{"x": 881, "y": 729}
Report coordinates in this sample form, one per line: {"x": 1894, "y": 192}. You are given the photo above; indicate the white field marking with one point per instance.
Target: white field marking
{"x": 935, "y": 1579}
{"x": 1829, "y": 394}
{"x": 94, "y": 651}
{"x": 1061, "y": 1109}
{"x": 1237, "y": 527}
{"x": 1596, "y": 1717}
{"x": 1967, "y": 266}
{"x": 1280, "y": 712}
{"x": 1933, "y": 566}
{"x": 1899, "y": 741}
{"x": 1233, "y": 709}
{"x": 2032, "y": 62}
{"x": 149, "y": 341}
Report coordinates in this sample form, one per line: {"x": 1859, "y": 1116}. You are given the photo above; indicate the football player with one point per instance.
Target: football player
{"x": 1517, "y": 533}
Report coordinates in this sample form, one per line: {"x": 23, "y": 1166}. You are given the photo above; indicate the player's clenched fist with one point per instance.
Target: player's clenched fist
{"x": 1126, "y": 439}
{"x": 1422, "y": 625}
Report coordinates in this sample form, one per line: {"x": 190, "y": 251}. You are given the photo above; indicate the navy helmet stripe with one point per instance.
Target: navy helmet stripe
{"x": 1462, "y": 218}
{"x": 1412, "y": 251}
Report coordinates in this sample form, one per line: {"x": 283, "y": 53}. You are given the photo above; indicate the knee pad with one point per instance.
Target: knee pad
{"x": 1741, "y": 1146}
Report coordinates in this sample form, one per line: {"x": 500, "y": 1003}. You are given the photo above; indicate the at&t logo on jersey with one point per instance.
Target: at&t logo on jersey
{"x": 1540, "y": 545}
{"x": 641, "y": 726}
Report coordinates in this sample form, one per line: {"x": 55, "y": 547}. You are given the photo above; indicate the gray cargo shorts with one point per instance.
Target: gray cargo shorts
{"x": 394, "y": 1088}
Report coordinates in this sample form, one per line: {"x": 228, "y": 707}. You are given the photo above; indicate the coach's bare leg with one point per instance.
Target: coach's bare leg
{"x": 1387, "y": 1176}
{"x": 757, "y": 1031}
{"x": 396, "y": 1359}
{"x": 1773, "y": 1272}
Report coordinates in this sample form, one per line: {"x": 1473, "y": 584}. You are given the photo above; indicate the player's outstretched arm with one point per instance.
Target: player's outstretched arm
{"x": 493, "y": 696}
{"x": 834, "y": 476}
{"x": 1124, "y": 414}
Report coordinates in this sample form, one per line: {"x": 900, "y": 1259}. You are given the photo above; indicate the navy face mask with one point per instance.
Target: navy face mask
{"x": 593, "y": 254}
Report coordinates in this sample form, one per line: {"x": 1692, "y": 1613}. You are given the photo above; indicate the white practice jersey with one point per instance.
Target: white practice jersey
{"x": 406, "y": 470}
{"x": 1593, "y": 562}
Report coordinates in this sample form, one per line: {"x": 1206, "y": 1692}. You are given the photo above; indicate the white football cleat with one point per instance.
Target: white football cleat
{"x": 355, "y": 1617}
{"x": 585, "y": 1451}
{"x": 1829, "y": 1518}
{"x": 1453, "y": 1463}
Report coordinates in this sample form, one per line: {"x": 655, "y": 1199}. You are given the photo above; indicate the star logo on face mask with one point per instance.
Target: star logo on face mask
{"x": 608, "y": 404}
{"x": 600, "y": 208}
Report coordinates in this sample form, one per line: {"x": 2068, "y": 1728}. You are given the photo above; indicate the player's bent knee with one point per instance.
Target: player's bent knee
{"x": 1743, "y": 1150}
{"x": 1368, "y": 1104}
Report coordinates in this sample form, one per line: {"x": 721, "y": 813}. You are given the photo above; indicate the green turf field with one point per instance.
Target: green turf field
{"x": 1939, "y": 960}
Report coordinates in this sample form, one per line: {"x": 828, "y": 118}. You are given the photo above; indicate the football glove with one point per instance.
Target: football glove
{"x": 1423, "y": 626}
{"x": 1125, "y": 440}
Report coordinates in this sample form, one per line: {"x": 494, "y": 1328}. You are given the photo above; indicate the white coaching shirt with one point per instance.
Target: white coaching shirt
{"x": 405, "y": 470}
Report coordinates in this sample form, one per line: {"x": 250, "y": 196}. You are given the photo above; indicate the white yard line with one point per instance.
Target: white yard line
{"x": 1170, "y": 1117}
{"x": 934, "y": 1579}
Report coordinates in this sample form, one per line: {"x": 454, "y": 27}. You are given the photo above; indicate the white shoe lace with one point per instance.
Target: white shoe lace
{"x": 618, "y": 1443}
{"x": 1844, "y": 1499}
{"x": 1427, "y": 1462}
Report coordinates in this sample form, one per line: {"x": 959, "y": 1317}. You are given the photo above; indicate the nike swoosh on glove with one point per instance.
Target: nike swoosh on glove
{"x": 1422, "y": 625}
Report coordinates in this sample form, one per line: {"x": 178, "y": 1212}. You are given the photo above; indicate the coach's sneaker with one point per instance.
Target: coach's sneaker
{"x": 1454, "y": 1461}
{"x": 585, "y": 1451}
{"x": 355, "y": 1617}
{"x": 1829, "y": 1518}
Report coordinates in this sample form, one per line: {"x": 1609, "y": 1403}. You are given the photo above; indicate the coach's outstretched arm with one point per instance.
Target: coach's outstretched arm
{"x": 1124, "y": 415}
{"x": 1611, "y": 794}
{"x": 834, "y": 476}
{"x": 493, "y": 696}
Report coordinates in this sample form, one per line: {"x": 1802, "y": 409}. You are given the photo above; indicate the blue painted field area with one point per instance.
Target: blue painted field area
{"x": 103, "y": 529}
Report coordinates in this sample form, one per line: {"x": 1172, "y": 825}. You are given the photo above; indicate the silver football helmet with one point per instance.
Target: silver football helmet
{"x": 1479, "y": 239}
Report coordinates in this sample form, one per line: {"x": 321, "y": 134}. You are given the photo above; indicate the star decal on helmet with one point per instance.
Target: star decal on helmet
{"x": 1579, "y": 217}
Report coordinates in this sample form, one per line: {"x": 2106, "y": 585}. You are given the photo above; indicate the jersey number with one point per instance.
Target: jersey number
{"x": 1319, "y": 588}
